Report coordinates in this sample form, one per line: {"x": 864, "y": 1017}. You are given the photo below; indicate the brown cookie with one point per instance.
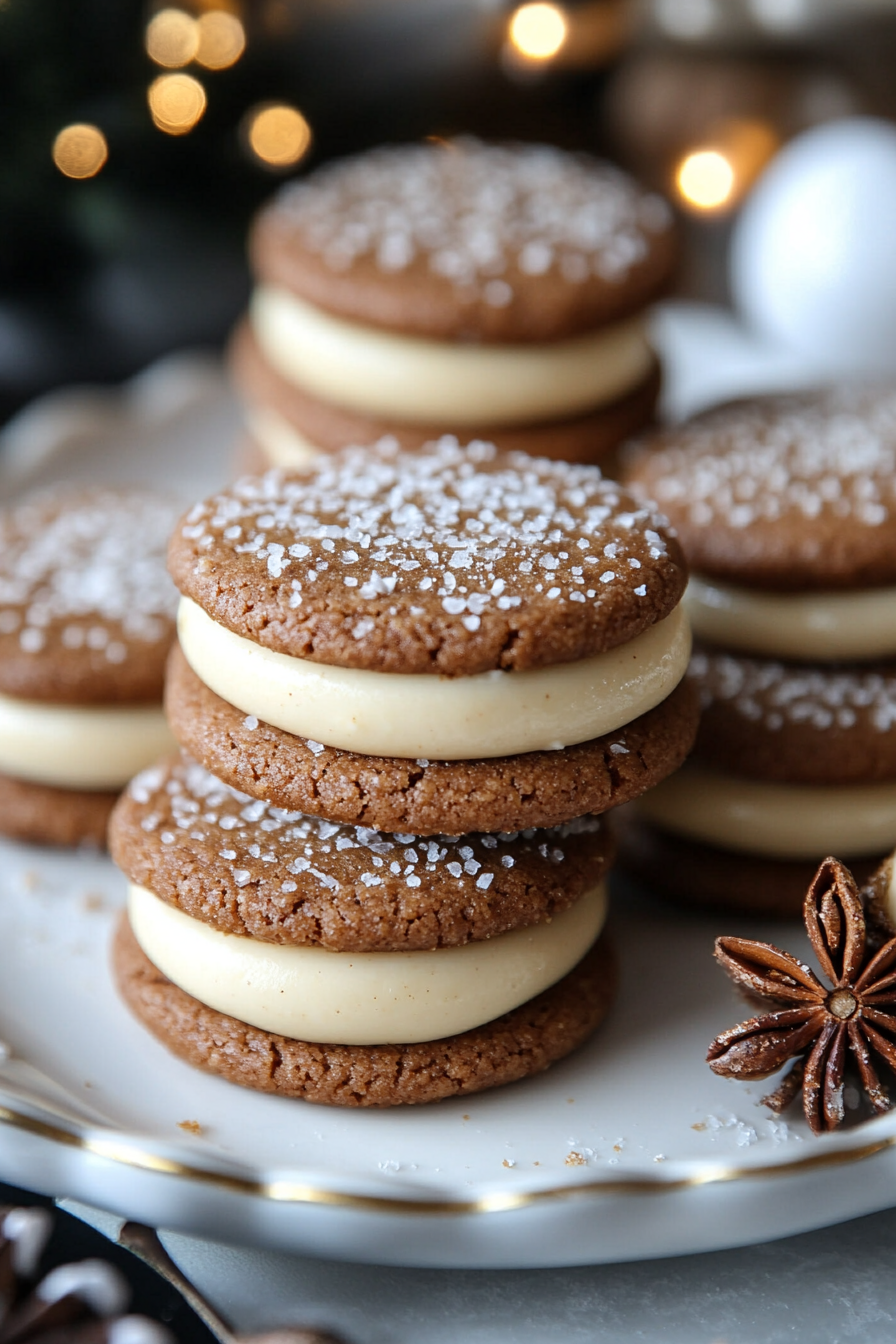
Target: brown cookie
{"x": 86, "y": 607}
{"x": 47, "y": 816}
{"x": 538, "y": 788}
{"x": 522, "y": 1042}
{"x": 584, "y": 438}
{"x": 784, "y": 493}
{"x": 701, "y": 875}
{"x": 467, "y": 241}
{"x": 447, "y": 561}
{"x": 796, "y": 723}
{"x": 875, "y": 897}
{"x": 245, "y": 866}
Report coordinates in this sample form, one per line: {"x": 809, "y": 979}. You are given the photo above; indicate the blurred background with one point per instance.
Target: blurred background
{"x": 139, "y": 138}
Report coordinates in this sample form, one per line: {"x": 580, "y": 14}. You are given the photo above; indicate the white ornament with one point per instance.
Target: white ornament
{"x": 813, "y": 259}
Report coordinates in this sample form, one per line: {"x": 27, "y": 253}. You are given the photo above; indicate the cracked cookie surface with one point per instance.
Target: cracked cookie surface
{"x": 450, "y": 561}
{"x": 248, "y": 867}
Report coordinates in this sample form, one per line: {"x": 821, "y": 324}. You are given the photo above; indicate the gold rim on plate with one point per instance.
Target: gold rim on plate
{"x": 296, "y": 1192}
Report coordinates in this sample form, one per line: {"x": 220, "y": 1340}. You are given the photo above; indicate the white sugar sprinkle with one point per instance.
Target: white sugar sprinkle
{"x": 440, "y": 520}
{"x": 473, "y": 212}
{"x": 829, "y": 453}
{"x": 298, "y": 844}
{"x": 770, "y": 693}
{"x": 94, "y": 563}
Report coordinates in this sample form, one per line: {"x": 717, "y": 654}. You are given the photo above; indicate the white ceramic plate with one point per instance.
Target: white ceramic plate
{"x": 631, "y": 1148}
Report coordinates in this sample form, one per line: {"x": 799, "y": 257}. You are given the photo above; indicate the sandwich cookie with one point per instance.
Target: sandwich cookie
{"x": 348, "y": 966}
{"x": 86, "y": 623}
{"x": 505, "y": 630}
{"x": 786, "y": 507}
{"x": 470, "y": 288}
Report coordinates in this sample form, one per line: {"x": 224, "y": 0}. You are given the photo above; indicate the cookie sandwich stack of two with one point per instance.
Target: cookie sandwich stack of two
{"x": 408, "y": 684}
{"x": 86, "y": 622}
{"x": 487, "y": 291}
{"x": 786, "y": 510}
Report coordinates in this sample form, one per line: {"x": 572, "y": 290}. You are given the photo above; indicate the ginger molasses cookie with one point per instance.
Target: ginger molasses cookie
{"x": 246, "y": 867}
{"x": 796, "y": 723}
{"x": 517, "y": 1045}
{"x": 468, "y": 240}
{"x": 462, "y": 287}
{"x": 536, "y": 788}
{"x": 400, "y": 960}
{"x": 86, "y": 623}
{"x": 451, "y": 604}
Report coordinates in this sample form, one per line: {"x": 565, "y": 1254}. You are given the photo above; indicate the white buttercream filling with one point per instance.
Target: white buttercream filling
{"x": 363, "y": 998}
{"x": 280, "y": 442}
{"x": 442, "y": 718}
{"x": 786, "y": 821}
{"x": 384, "y": 373}
{"x": 80, "y": 746}
{"x": 831, "y": 627}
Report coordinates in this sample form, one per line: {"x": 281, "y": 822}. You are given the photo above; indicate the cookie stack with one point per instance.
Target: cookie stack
{"x": 786, "y": 509}
{"x": 480, "y": 290}
{"x": 86, "y": 622}
{"x": 408, "y": 683}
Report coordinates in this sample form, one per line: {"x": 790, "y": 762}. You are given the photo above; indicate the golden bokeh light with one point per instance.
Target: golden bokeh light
{"x": 222, "y": 39}
{"x": 717, "y": 176}
{"x": 705, "y": 179}
{"x": 80, "y": 150}
{"x": 538, "y": 31}
{"x": 176, "y": 103}
{"x": 172, "y": 38}
{"x": 278, "y": 135}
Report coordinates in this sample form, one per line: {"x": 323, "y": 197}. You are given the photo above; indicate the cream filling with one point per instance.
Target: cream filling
{"x": 363, "y": 998}
{"x": 830, "y": 627}
{"x": 281, "y": 443}
{"x": 80, "y": 747}
{"x": 443, "y": 718}
{"x": 383, "y": 373}
{"x": 785, "y": 821}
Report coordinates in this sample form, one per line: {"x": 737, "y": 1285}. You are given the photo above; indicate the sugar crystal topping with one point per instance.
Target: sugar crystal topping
{"x": 476, "y": 529}
{"x": 477, "y": 212}
{"x": 92, "y": 563}
{"x": 829, "y": 453}
{"x": 774, "y": 694}
{"x": 245, "y": 832}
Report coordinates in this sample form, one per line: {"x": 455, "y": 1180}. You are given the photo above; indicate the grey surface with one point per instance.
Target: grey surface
{"x": 825, "y": 1287}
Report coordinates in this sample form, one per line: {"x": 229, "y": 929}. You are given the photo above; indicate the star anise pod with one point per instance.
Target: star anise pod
{"x": 818, "y": 1027}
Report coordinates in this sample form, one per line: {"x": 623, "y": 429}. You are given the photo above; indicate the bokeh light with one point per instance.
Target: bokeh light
{"x": 176, "y": 103}
{"x": 80, "y": 150}
{"x": 277, "y": 134}
{"x": 705, "y": 179}
{"x": 222, "y": 40}
{"x": 537, "y": 31}
{"x": 172, "y": 38}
